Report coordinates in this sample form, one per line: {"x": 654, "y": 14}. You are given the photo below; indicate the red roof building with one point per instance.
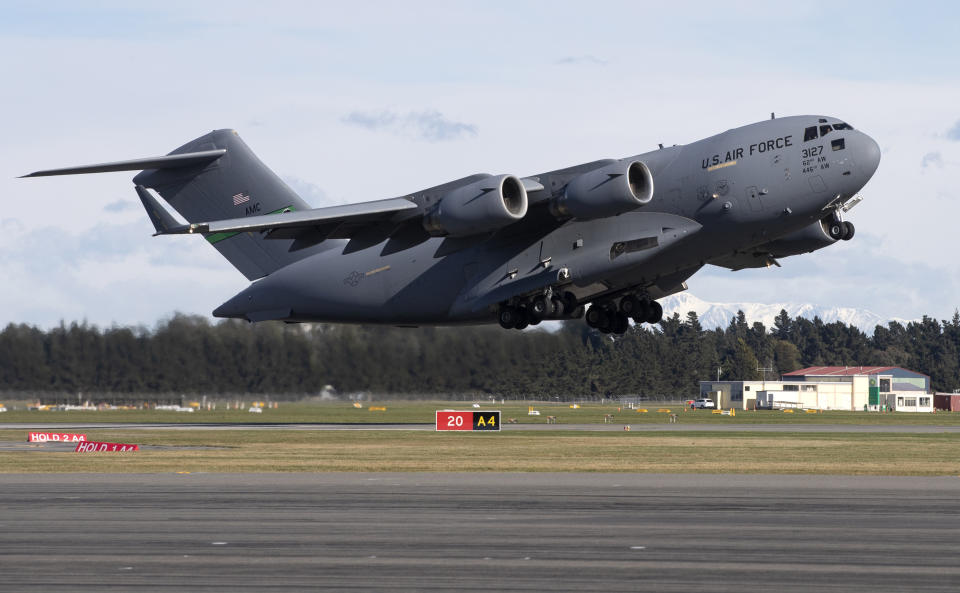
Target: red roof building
{"x": 888, "y": 378}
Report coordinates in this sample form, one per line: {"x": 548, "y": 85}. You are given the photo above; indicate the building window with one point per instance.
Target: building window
{"x": 910, "y": 402}
{"x": 884, "y": 385}
{"x": 924, "y": 402}
{"x": 808, "y": 388}
{"x": 791, "y": 388}
{"x": 746, "y": 388}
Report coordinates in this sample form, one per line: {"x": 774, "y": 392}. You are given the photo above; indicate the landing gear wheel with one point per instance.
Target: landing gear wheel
{"x": 621, "y": 324}
{"x": 609, "y": 322}
{"x": 569, "y": 302}
{"x": 557, "y": 308}
{"x": 595, "y": 316}
{"x": 539, "y": 307}
{"x": 524, "y": 319}
{"x": 508, "y": 317}
{"x": 848, "y": 231}
{"x": 655, "y": 314}
{"x": 629, "y": 304}
{"x": 836, "y": 229}
{"x": 641, "y": 311}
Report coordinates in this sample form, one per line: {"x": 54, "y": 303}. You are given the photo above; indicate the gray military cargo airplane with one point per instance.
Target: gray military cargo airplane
{"x": 508, "y": 249}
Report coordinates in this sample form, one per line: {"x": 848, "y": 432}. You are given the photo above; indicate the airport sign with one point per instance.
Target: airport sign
{"x": 96, "y": 447}
{"x": 468, "y": 420}
{"x": 55, "y": 437}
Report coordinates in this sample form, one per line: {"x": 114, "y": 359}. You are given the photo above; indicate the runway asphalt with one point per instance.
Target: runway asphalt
{"x": 478, "y": 532}
{"x": 664, "y": 427}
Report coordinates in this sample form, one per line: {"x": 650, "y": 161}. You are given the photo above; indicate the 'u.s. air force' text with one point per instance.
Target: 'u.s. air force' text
{"x": 737, "y": 153}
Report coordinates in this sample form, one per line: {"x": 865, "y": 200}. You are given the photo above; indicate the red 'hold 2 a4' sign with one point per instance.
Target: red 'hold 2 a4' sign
{"x": 55, "y": 437}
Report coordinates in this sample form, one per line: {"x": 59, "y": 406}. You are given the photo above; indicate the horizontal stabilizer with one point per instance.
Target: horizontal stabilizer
{"x": 158, "y": 162}
{"x": 367, "y": 212}
{"x": 162, "y": 220}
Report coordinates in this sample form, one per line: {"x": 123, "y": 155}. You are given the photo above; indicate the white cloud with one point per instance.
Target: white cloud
{"x": 429, "y": 125}
{"x": 121, "y": 206}
{"x": 585, "y": 59}
{"x": 954, "y": 132}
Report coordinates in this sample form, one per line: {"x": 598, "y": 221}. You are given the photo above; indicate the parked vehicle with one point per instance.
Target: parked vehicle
{"x": 704, "y": 403}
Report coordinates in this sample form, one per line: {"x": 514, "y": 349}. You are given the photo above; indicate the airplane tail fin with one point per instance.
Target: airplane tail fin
{"x": 232, "y": 185}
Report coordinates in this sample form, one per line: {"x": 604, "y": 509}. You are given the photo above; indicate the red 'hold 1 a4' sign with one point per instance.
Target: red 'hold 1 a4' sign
{"x": 95, "y": 447}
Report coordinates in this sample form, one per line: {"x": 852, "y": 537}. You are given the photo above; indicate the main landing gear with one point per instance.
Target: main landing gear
{"x": 610, "y": 317}
{"x": 532, "y": 311}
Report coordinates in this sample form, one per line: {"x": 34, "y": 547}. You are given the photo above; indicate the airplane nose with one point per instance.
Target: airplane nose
{"x": 870, "y": 158}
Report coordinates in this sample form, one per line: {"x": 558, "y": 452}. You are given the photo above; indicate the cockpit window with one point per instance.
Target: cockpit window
{"x": 810, "y": 134}
{"x": 842, "y": 126}
{"x": 838, "y": 144}
{"x": 824, "y": 130}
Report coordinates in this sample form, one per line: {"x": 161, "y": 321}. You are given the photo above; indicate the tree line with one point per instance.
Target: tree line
{"x": 191, "y": 355}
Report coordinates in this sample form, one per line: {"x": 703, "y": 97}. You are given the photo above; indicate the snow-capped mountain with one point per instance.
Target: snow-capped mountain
{"x": 712, "y": 315}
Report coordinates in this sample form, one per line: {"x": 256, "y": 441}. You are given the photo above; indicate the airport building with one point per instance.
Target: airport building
{"x": 828, "y": 388}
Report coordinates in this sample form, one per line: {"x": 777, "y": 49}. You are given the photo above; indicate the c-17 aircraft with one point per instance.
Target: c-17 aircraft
{"x": 613, "y": 235}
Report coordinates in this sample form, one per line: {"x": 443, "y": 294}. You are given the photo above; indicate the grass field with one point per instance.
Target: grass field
{"x": 423, "y": 413}
{"x": 515, "y": 451}
{"x": 239, "y": 450}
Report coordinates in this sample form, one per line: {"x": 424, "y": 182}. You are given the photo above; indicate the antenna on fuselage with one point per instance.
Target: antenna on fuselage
{"x": 772, "y": 116}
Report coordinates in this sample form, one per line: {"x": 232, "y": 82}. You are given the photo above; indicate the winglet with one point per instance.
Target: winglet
{"x": 162, "y": 221}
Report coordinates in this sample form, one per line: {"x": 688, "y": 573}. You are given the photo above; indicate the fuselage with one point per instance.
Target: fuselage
{"x": 713, "y": 198}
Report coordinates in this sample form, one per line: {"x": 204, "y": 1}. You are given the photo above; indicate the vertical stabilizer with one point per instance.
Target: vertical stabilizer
{"x": 234, "y": 185}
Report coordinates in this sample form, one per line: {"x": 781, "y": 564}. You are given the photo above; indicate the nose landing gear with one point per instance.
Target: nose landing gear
{"x": 841, "y": 230}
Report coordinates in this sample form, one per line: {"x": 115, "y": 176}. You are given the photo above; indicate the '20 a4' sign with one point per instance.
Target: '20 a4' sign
{"x": 468, "y": 420}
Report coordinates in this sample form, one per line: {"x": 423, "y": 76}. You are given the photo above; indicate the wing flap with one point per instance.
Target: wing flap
{"x": 331, "y": 222}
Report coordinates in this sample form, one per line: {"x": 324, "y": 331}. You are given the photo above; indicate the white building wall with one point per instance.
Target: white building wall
{"x": 861, "y": 392}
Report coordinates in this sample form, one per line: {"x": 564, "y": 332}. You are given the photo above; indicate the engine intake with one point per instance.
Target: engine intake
{"x": 607, "y": 191}
{"x": 480, "y": 207}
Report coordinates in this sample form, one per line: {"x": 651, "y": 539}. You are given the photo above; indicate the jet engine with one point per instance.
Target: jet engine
{"x": 823, "y": 233}
{"x": 607, "y": 191}
{"x": 480, "y": 207}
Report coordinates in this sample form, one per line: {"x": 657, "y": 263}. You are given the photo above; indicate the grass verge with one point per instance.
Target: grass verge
{"x": 403, "y": 412}
{"x": 515, "y": 451}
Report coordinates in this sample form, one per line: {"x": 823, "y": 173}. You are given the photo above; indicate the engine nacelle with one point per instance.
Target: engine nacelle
{"x": 818, "y": 235}
{"x": 614, "y": 189}
{"x": 481, "y": 207}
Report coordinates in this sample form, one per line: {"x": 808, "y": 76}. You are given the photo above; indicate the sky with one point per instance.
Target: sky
{"x": 367, "y": 100}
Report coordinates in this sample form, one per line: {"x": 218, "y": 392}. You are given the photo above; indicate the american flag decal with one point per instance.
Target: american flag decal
{"x": 240, "y": 198}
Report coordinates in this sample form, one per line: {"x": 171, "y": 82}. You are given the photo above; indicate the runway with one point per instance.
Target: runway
{"x": 661, "y": 427}
{"x": 478, "y": 532}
